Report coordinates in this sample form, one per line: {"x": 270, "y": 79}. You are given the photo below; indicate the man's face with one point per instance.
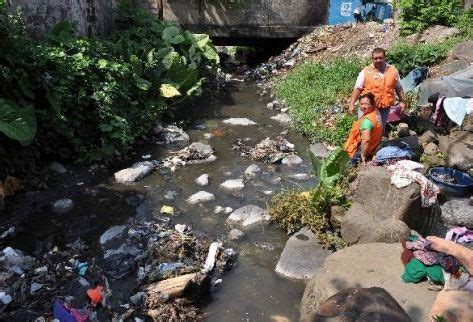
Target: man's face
{"x": 378, "y": 60}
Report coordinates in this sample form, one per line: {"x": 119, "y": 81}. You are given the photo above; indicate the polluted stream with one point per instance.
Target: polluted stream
{"x": 251, "y": 290}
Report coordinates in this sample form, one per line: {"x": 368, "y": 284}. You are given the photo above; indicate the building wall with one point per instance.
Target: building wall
{"x": 90, "y": 17}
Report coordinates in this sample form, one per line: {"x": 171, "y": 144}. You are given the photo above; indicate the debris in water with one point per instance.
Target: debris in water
{"x": 268, "y": 150}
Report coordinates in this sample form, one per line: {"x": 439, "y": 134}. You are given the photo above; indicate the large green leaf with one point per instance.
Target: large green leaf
{"x": 332, "y": 168}
{"x": 142, "y": 83}
{"x": 196, "y": 89}
{"x": 211, "y": 54}
{"x": 173, "y": 35}
{"x": 200, "y": 40}
{"x": 168, "y": 91}
{"x": 18, "y": 123}
{"x": 169, "y": 59}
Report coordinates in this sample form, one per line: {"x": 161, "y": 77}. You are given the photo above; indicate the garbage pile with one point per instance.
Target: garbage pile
{"x": 326, "y": 42}
{"x": 147, "y": 271}
{"x": 268, "y": 150}
{"x": 195, "y": 153}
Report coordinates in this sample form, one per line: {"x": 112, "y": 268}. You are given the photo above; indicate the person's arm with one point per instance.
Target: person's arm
{"x": 402, "y": 97}
{"x": 365, "y": 143}
{"x": 461, "y": 253}
{"x": 354, "y": 97}
{"x": 400, "y": 93}
{"x": 359, "y": 85}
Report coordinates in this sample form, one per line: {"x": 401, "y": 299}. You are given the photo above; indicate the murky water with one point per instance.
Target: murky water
{"x": 251, "y": 291}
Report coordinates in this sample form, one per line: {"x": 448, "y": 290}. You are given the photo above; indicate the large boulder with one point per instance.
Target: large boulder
{"x": 364, "y": 266}
{"x": 458, "y": 151}
{"x": 172, "y": 134}
{"x": 372, "y": 304}
{"x": 457, "y": 212}
{"x": 301, "y": 256}
{"x": 381, "y": 212}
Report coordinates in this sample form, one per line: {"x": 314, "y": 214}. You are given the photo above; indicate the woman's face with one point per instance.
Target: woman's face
{"x": 365, "y": 105}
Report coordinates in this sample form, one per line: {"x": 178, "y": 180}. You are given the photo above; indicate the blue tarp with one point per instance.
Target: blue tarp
{"x": 342, "y": 11}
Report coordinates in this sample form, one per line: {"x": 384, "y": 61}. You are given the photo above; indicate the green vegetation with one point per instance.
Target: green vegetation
{"x": 416, "y": 15}
{"x": 292, "y": 210}
{"x": 407, "y": 57}
{"x": 312, "y": 91}
{"x": 90, "y": 99}
{"x": 465, "y": 23}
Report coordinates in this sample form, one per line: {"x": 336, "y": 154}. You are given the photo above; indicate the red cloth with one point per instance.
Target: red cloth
{"x": 406, "y": 254}
{"x": 95, "y": 294}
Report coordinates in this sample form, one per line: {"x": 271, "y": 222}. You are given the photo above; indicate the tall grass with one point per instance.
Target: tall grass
{"x": 314, "y": 89}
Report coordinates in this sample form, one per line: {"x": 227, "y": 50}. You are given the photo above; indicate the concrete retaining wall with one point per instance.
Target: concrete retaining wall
{"x": 253, "y": 18}
{"x": 90, "y": 17}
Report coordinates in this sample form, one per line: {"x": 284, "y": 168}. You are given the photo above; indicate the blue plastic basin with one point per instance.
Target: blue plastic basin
{"x": 464, "y": 185}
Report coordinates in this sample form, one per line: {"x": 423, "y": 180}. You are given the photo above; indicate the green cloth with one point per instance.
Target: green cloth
{"x": 415, "y": 271}
{"x": 366, "y": 124}
{"x": 412, "y": 237}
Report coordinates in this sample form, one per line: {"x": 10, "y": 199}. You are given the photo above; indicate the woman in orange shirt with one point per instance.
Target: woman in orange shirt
{"x": 366, "y": 132}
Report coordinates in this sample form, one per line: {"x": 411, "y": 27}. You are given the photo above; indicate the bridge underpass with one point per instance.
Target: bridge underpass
{"x": 251, "y": 19}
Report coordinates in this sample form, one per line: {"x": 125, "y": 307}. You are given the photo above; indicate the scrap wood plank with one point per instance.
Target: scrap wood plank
{"x": 173, "y": 287}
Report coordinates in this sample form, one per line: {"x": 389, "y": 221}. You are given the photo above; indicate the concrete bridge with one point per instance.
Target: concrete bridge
{"x": 248, "y": 19}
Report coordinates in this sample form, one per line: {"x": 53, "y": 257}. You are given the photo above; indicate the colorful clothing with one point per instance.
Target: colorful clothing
{"x": 422, "y": 252}
{"x": 382, "y": 84}
{"x": 403, "y": 175}
{"x": 460, "y": 235}
{"x": 416, "y": 272}
{"x": 354, "y": 138}
{"x": 391, "y": 152}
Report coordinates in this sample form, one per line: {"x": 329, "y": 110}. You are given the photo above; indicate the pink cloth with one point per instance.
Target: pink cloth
{"x": 396, "y": 114}
{"x": 460, "y": 235}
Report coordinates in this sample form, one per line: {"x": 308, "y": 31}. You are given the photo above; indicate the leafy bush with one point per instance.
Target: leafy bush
{"x": 314, "y": 92}
{"x": 407, "y": 57}
{"x": 417, "y": 15}
{"x": 92, "y": 98}
{"x": 465, "y": 23}
{"x": 292, "y": 210}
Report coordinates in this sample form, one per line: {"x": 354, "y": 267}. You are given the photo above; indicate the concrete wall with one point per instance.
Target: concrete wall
{"x": 90, "y": 17}
{"x": 253, "y": 18}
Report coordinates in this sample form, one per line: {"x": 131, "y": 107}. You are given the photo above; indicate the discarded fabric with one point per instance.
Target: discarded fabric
{"x": 61, "y": 312}
{"x": 414, "y": 78}
{"x": 95, "y": 294}
{"x": 403, "y": 175}
{"x": 82, "y": 268}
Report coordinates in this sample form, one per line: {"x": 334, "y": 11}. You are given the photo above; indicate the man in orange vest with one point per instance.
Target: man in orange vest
{"x": 366, "y": 132}
{"x": 382, "y": 80}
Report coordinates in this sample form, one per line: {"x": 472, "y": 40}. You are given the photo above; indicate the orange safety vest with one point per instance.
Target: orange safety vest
{"x": 354, "y": 138}
{"x": 383, "y": 86}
